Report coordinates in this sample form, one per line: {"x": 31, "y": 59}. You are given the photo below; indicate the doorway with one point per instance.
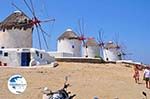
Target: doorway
{"x": 25, "y": 58}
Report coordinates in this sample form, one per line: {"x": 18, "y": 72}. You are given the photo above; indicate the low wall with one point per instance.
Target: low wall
{"x": 81, "y": 60}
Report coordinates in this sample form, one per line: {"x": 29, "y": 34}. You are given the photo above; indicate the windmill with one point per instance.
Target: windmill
{"x": 117, "y": 47}
{"x": 121, "y": 48}
{"x": 88, "y": 43}
{"x": 101, "y": 42}
{"x": 109, "y": 50}
{"x": 35, "y": 22}
{"x": 68, "y": 42}
{"x": 81, "y": 32}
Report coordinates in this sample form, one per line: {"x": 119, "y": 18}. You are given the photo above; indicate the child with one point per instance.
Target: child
{"x": 136, "y": 74}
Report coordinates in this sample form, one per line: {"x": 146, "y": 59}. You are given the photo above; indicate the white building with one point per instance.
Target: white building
{"x": 111, "y": 52}
{"x": 16, "y": 31}
{"x": 69, "y": 43}
{"x": 91, "y": 49}
{"x": 24, "y": 57}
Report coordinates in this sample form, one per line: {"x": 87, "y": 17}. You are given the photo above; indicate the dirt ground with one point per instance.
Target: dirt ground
{"x": 87, "y": 80}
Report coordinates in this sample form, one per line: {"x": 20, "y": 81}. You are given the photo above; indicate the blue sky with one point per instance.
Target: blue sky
{"x": 129, "y": 18}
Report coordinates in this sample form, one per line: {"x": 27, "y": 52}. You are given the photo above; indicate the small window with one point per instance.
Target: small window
{"x": 41, "y": 55}
{"x": 1, "y": 52}
{"x": 5, "y": 64}
{"x": 25, "y": 20}
{"x": 107, "y": 59}
{"x": 37, "y": 53}
{"x": 6, "y": 54}
{"x": 2, "y": 47}
{"x": 72, "y": 46}
{"x": 3, "y": 30}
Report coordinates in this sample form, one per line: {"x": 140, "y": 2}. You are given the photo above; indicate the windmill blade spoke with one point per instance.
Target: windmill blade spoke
{"x": 123, "y": 46}
{"x": 82, "y": 27}
{"x": 117, "y": 39}
{"x": 99, "y": 36}
{"x": 32, "y": 12}
{"x": 48, "y": 20}
{"x": 38, "y": 33}
{"x": 97, "y": 39}
{"x": 100, "y": 40}
{"x": 126, "y": 53}
{"x": 80, "y": 30}
{"x": 43, "y": 30}
{"x": 84, "y": 44}
{"x": 77, "y": 31}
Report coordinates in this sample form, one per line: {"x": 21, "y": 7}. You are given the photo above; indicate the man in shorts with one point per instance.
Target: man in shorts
{"x": 146, "y": 77}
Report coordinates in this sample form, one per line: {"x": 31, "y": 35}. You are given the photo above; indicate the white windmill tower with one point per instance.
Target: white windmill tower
{"x": 101, "y": 42}
{"x": 117, "y": 51}
{"x": 82, "y": 38}
{"x": 111, "y": 52}
{"x": 69, "y": 42}
{"x": 91, "y": 49}
{"x": 14, "y": 33}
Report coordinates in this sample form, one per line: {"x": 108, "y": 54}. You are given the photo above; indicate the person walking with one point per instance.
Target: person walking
{"x": 146, "y": 77}
{"x": 136, "y": 74}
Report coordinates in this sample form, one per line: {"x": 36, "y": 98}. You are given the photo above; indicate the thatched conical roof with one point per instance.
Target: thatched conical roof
{"x": 91, "y": 42}
{"x": 110, "y": 45}
{"x": 16, "y": 20}
{"x": 68, "y": 34}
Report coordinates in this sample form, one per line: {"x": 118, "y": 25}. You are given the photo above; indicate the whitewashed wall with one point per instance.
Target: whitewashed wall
{"x": 91, "y": 51}
{"x": 13, "y": 58}
{"x": 65, "y": 45}
{"x": 16, "y": 38}
{"x": 46, "y": 58}
{"x": 111, "y": 55}
{"x": 60, "y": 54}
